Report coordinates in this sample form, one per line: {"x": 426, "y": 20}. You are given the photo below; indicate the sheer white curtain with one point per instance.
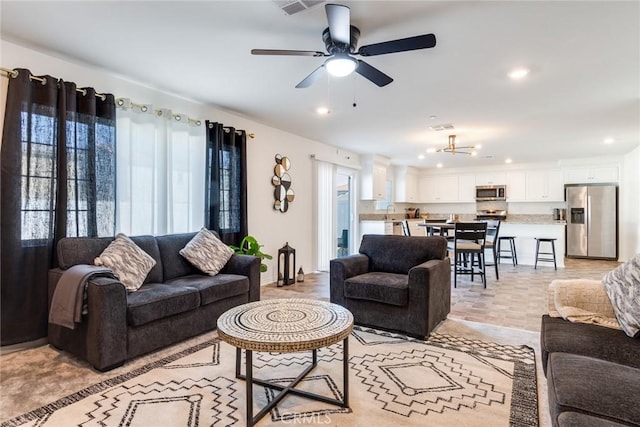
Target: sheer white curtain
{"x": 160, "y": 172}
{"x": 325, "y": 202}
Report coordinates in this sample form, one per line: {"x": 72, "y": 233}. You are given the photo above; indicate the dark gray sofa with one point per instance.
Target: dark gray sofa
{"x": 176, "y": 301}
{"x": 396, "y": 283}
{"x": 593, "y": 374}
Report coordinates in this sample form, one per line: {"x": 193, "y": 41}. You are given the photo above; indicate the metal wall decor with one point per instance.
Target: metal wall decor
{"x": 283, "y": 193}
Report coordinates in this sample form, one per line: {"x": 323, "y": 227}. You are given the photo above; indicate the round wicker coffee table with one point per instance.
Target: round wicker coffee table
{"x": 286, "y": 326}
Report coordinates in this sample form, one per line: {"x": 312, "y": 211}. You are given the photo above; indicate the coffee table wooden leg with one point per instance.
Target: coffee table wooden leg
{"x": 249, "y": 384}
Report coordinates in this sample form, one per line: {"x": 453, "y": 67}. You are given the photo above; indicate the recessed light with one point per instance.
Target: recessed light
{"x": 477, "y": 146}
{"x": 508, "y": 160}
{"x": 433, "y": 117}
{"x": 518, "y": 73}
{"x": 609, "y": 140}
{"x": 439, "y": 165}
{"x": 322, "y": 110}
{"x": 421, "y": 156}
{"x": 474, "y": 153}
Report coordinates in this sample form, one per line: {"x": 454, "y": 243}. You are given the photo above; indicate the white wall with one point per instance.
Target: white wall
{"x": 271, "y": 228}
{"x": 630, "y": 206}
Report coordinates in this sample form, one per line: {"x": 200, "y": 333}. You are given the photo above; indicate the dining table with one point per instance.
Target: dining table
{"x": 442, "y": 228}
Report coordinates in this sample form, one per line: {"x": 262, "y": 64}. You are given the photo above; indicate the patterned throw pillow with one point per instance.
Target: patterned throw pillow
{"x": 206, "y": 252}
{"x": 623, "y": 287}
{"x": 129, "y": 263}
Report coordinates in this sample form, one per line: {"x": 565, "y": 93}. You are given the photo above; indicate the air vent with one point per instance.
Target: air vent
{"x": 290, "y": 7}
{"x": 444, "y": 126}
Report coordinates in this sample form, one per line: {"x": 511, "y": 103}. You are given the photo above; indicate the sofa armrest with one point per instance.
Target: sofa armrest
{"x": 106, "y": 323}
{"x": 342, "y": 269}
{"x": 246, "y": 265}
{"x": 430, "y": 291}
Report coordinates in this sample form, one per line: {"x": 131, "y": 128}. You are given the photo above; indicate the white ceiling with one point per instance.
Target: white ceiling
{"x": 584, "y": 57}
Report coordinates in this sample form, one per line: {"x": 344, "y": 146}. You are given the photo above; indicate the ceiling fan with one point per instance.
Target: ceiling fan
{"x": 341, "y": 39}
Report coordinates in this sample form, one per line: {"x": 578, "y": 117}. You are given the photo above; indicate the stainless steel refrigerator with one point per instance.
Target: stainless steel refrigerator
{"x": 592, "y": 221}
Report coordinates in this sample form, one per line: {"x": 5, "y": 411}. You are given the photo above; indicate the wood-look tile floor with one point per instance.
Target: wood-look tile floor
{"x": 517, "y": 300}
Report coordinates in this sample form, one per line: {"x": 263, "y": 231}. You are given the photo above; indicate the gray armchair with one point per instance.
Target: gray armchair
{"x": 395, "y": 283}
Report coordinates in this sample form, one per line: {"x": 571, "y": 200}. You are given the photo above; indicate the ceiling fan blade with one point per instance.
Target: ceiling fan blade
{"x": 311, "y": 78}
{"x": 339, "y": 19}
{"x": 373, "y": 74}
{"x": 286, "y": 52}
{"x": 424, "y": 41}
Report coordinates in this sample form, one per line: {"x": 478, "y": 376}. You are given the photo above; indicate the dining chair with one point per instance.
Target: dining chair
{"x": 468, "y": 246}
{"x": 435, "y": 230}
{"x": 405, "y": 228}
{"x": 493, "y": 228}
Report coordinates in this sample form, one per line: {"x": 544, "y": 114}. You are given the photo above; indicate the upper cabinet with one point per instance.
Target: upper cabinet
{"x": 438, "y": 188}
{"x": 491, "y": 178}
{"x": 516, "y": 186}
{"x": 466, "y": 188}
{"x": 544, "y": 186}
{"x": 591, "y": 174}
{"x": 373, "y": 178}
{"x": 406, "y": 185}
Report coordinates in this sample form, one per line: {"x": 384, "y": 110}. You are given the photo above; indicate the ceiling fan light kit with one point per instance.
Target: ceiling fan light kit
{"x": 341, "y": 39}
{"x": 341, "y": 65}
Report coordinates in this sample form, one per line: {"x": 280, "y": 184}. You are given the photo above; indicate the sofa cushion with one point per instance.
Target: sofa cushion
{"x": 398, "y": 254}
{"x": 388, "y": 288}
{"x": 623, "y": 287}
{"x": 83, "y": 250}
{"x": 578, "y": 384}
{"x": 577, "y": 419}
{"x": 155, "y": 301}
{"x": 128, "y": 262}
{"x": 214, "y": 288}
{"x": 173, "y": 264}
{"x": 559, "y": 335}
{"x": 207, "y": 252}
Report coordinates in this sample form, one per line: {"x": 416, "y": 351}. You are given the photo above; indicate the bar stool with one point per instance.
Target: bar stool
{"x": 511, "y": 250}
{"x": 553, "y": 251}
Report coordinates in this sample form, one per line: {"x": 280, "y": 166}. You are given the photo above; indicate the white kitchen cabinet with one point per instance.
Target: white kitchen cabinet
{"x": 466, "y": 188}
{"x": 491, "y": 178}
{"x": 438, "y": 188}
{"x": 544, "y": 186}
{"x": 372, "y": 227}
{"x": 373, "y": 179}
{"x": 406, "y": 185}
{"x": 591, "y": 174}
{"x": 516, "y": 186}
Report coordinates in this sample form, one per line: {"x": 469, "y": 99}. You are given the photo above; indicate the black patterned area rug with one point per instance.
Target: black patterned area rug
{"x": 394, "y": 381}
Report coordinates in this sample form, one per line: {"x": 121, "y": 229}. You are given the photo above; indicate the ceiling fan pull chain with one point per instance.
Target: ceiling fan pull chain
{"x": 354, "y": 91}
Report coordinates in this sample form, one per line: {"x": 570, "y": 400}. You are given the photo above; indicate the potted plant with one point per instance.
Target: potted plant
{"x": 250, "y": 246}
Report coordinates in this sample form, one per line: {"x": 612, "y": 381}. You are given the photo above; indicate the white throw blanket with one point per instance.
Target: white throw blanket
{"x": 581, "y": 301}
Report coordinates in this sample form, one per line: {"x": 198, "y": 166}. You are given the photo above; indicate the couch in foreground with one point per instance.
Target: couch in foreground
{"x": 593, "y": 371}
{"x": 396, "y": 283}
{"x": 175, "y": 302}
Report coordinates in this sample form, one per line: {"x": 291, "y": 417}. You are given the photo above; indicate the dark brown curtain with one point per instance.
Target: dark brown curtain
{"x": 226, "y": 183}
{"x": 58, "y": 179}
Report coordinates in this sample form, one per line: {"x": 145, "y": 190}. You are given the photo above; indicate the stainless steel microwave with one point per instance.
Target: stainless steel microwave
{"x": 491, "y": 192}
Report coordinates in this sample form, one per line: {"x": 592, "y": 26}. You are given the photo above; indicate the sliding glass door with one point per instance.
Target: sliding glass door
{"x": 344, "y": 213}
{"x": 335, "y": 213}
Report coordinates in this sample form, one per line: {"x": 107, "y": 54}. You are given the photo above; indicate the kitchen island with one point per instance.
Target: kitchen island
{"x": 525, "y": 234}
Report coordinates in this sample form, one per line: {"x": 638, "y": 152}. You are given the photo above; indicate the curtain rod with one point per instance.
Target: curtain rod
{"x": 126, "y": 103}
{"x": 14, "y": 74}
{"x": 227, "y": 130}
